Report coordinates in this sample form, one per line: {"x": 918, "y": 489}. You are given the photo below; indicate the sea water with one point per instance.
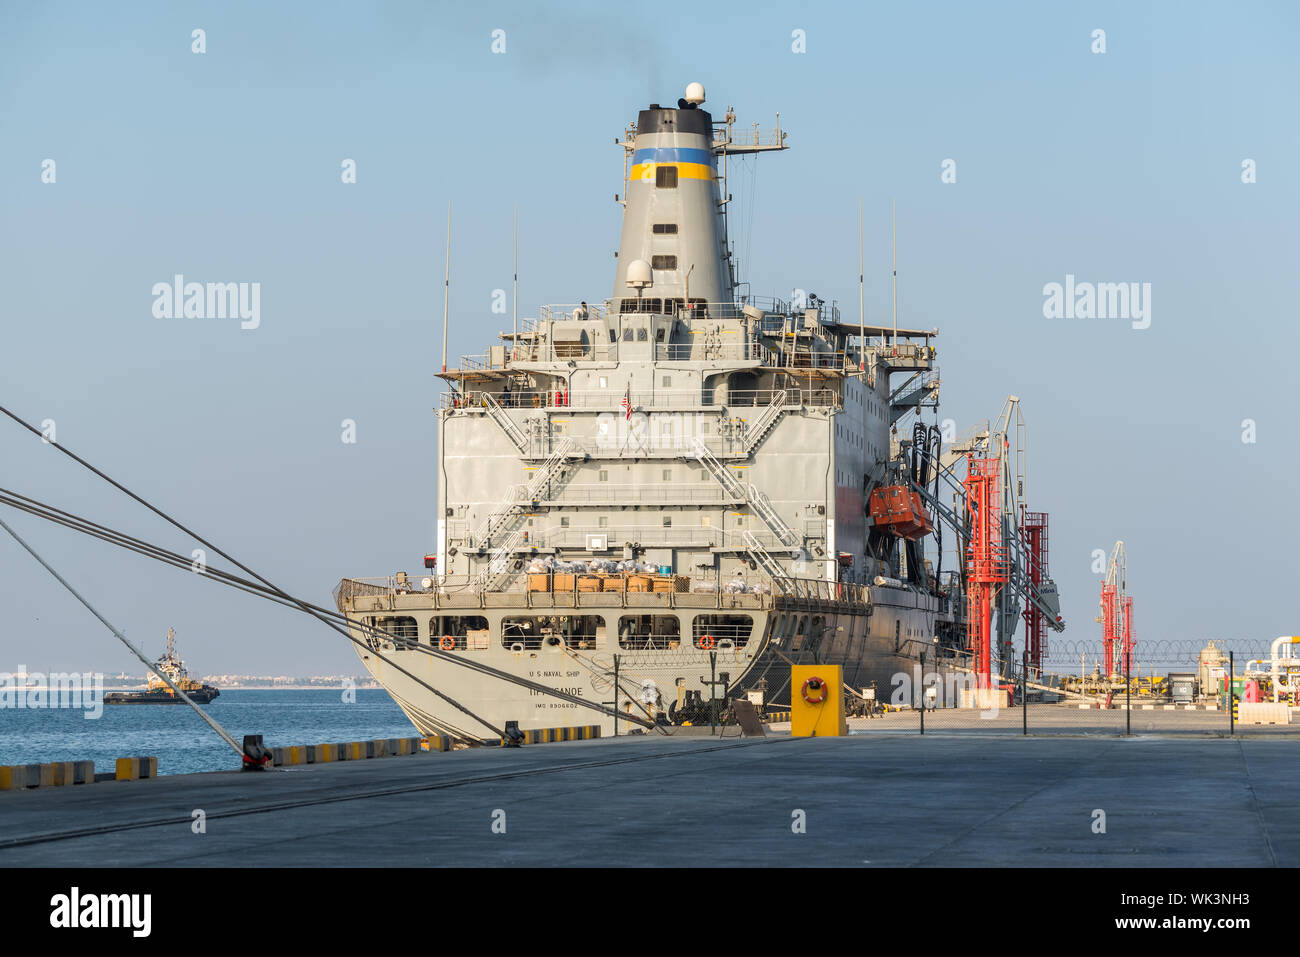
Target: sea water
{"x": 183, "y": 742}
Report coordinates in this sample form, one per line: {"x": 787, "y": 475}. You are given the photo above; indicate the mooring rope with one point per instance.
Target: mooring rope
{"x": 302, "y": 606}
{"x": 212, "y": 723}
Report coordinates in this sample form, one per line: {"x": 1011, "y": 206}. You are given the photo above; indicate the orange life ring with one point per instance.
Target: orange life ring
{"x": 448, "y": 643}
{"x": 707, "y": 642}
{"x": 816, "y": 684}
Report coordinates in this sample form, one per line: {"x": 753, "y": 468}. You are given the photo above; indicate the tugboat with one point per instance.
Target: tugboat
{"x": 158, "y": 692}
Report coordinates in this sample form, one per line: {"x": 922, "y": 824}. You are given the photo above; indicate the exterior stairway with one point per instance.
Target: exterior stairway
{"x": 756, "y": 499}
{"x": 554, "y": 468}
{"x": 761, "y": 557}
{"x": 497, "y": 571}
{"x": 764, "y": 423}
{"x": 507, "y": 424}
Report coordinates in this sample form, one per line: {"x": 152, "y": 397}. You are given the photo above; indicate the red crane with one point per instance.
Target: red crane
{"x": 1116, "y": 616}
{"x": 1034, "y": 528}
{"x": 986, "y": 561}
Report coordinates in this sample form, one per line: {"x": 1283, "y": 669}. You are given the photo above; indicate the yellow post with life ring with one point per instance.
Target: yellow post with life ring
{"x": 817, "y": 701}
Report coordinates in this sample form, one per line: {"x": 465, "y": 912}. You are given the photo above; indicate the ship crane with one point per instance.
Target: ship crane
{"x": 1115, "y": 615}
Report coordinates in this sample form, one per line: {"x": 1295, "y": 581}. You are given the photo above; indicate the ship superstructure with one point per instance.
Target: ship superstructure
{"x": 702, "y": 483}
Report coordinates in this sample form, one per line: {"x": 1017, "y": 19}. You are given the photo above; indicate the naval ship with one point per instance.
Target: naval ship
{"x": 684, "y": 484}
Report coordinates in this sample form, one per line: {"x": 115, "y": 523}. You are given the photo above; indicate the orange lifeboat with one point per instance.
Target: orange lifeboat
{"x": 900, "y": 511}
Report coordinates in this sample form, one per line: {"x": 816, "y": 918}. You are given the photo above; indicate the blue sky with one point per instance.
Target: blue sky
{"x": 225, "y": 166}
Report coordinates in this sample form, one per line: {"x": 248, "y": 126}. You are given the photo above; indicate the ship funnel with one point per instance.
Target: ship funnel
{"x": 674, "y": 235}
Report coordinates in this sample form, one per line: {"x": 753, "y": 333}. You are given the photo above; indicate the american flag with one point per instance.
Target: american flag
{"x": 627, "y": 402}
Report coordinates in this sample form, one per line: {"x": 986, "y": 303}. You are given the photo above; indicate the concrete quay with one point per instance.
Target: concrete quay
{"x": 866, "y": 800}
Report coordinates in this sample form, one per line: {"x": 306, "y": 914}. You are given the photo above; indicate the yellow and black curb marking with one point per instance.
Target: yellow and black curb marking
{"x": 19, "y": 776}
{"x": 136, "y": 769}
{"x": 774, "y": 717}
{"x": 350, "y": 751}
{"x": 15, "y": 777}
{"x": 584, "y": 732}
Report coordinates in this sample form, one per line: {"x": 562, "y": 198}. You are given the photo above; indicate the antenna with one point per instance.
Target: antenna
{"x": 862, "y": 321}
{"x": 894, "y": 216}
{"x": 446, "y": 289}
{"x": 515, "y": 295}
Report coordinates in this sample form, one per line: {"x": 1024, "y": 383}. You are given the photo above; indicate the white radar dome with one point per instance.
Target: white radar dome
{"x": 695, "y": 93}
{"x": 638, "y": 274}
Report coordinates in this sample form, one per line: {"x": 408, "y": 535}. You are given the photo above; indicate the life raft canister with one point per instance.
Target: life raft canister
{"x": 818, "y": 688}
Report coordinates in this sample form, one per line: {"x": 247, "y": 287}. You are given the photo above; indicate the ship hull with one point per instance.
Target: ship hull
{"x": 200, "y": 695}
{"x": 874, "y": 641}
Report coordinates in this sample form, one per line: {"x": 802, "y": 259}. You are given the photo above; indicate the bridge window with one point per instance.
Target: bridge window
{"x": 663, "y": 262}
{"x": 666, "y": 177}
{"x": 665, "y": 228}
{"x": 649, "y": 632}
{"x": 721, "y": 628}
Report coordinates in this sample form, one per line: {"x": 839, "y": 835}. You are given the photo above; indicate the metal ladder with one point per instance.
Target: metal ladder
{"x": 497, "y": 571}
{"x": 552, "y": 468}
{"x": 502, "y": 418}
{"x": 757, "y": 500}
{"x": 761, "y": 556}
{"x": 766, "y": 420}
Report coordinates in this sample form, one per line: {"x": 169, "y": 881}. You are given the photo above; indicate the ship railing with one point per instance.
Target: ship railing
{"x": 674, "y": 493}
{"x": 577, "y": 537}
{"x": 641, "y": 401}
{"x": 563, "y": 351}
{"x": 812, "y": 398}
{"x": 818, "y": 589}
{"x": 790, "y": 587}
{"x": 382, "y": 585}
{"x": 400, "y": 583}
{"x": 808, "y": 359}
{"x": 904, "y": 350}
{"x": 773, "y": 307}
{"x": 699, "y": 309}
{"x": 706, "y": 351}
{"x": 567, "y": 311}
{"x": 748, "y": 137}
